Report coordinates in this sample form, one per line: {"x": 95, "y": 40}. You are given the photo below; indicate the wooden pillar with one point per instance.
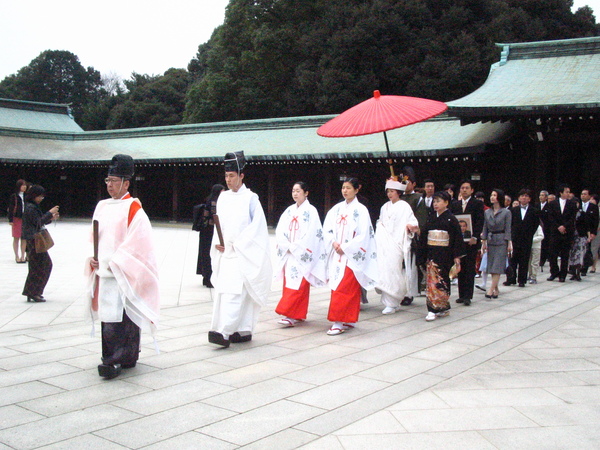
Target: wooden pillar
{"x": 271, "y": 199}
{"x": 328, "y": 175}
{"x": 541, "y": 168}
{"x": 175, "y": 206}
{"x": 100, "y": 184}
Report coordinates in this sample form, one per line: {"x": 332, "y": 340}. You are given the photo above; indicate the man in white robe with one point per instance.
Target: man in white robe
{"x": 242, "y": 272}
{"x": 123, "y": 282}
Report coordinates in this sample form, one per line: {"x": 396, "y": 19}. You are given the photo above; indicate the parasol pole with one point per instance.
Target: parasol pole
{"x": 387, "y": 146}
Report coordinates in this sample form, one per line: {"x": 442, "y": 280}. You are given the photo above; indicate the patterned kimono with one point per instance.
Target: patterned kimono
{"x": 350, "y": 225}
{"x": 443, "y": 242}
{"x": 302, "y": 258}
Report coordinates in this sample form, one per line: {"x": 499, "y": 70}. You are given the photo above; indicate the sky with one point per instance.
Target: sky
{"x": 116, "y": 37}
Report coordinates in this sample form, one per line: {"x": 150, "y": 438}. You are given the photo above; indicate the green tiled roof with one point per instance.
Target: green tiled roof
{"x": 36, "y": 116}
{"x": 273, "y": 139}
{"x": 537, "y": 79}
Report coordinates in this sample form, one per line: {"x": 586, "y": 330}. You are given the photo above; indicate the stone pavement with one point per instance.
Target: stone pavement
{"x": 521, "y": 371}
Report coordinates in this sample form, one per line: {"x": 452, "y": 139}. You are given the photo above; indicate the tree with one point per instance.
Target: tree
{"x": 277, "y": 58}
{"x": 55, "y": 76}
{"x": 151, "y": 101}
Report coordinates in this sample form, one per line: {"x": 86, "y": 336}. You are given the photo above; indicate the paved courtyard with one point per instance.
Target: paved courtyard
{"x": 521, "y": 371}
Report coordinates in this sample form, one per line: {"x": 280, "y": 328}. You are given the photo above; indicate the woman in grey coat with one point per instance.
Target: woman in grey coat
{"x": 496, "y": 239}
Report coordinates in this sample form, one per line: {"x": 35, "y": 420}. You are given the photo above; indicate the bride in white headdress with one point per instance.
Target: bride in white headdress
{"x": 395, "y": 229}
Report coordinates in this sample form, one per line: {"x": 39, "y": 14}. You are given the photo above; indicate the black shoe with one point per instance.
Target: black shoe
{"x": 217, "y": 338}
{"x": 406, "y": 301}
{"x": 467, "y": 302}
{"x": 460, "y": 300}
{"x": 109, "y": 371}
{"x": 36, "y": 299}
{"x": 488, "y": 296}
{"x": 552, "y": 278}
{"x": 508, "y": 283}
{"x": 521, "y": 284}
{"x": 128, "y": 366}
{"x": 561, "y": 280}
{"x": 236, "y": 338}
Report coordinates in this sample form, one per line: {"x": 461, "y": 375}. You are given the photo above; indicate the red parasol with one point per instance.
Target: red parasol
{"x": 380, "y": 114}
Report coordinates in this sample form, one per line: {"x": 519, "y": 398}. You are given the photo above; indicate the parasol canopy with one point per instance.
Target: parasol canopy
{"x": 381, "y": 113}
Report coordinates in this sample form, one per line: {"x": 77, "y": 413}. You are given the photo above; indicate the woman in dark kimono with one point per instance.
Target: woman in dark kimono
{"x": 40, "y": 264}
{"x": 581, "y": 239}
{"x": 204, "y": 223}
{"x": 443, "y": 245}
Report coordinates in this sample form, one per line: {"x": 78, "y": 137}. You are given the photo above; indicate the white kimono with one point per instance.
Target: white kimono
{"x": 350, "y": 225}
{"x": 300, "y": 247}
{"x": 242, "y": 274}
{"x": 127, "y": 273}
{"x": 393, "y": 244}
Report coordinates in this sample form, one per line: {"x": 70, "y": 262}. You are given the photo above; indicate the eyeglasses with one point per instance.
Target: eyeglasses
{"x": 112, "y": 180}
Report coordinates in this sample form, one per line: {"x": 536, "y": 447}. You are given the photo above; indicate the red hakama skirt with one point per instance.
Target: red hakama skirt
{"x": 345, "y": 300}
{"x": 294, "y": 303}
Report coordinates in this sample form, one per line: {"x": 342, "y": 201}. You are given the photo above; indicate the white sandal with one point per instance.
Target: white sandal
{"x": 287, "y": 322}
{"x": 335, "y": 331}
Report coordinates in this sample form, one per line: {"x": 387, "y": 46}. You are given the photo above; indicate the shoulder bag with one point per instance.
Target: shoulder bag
{"x": 43, "y": 241}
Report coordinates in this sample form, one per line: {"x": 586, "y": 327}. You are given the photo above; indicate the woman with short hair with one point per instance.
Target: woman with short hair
{"x": 40, "y": 264}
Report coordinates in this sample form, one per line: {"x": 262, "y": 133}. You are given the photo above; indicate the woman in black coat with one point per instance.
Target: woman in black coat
{"x": 16, "y": 204}
{"x": 40, "y": 264}
{"x": 204, "y": 223}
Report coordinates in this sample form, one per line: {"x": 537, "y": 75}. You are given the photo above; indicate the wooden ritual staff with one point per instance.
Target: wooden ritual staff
{"x": 219, "y": 231}
{"x": 95, "y": 299}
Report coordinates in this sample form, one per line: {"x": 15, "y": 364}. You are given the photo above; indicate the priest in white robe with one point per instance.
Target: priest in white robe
{"x": 123, "y": 290}
{"x": 242, "y": 272}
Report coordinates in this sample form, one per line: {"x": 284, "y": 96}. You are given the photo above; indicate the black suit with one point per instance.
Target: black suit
{"x": 466, "y": 276}
{"x": 523, "y": 229}
{"x": 593, "y": 219}
{"x": 560, "y": 243}
{"x": 430, "y": 209}
{"x": 546, "y": 229}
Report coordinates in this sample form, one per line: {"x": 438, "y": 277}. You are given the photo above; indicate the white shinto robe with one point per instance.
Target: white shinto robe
{"x": 393, "y": 248}
{"x": 300, "y": 247}
{"x": 242, "y": 274}
{"x": 128, "y": 273}
{"x": 350, "y": 225}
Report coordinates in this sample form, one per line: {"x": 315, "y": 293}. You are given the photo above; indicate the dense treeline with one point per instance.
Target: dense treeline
{"x": 276, "y": 58}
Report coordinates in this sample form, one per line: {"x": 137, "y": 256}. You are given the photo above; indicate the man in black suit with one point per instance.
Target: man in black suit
{"x": 591, "y": 211}
{"x": 467, "y": 204}
{"x": 429, "y": 187}
{"x": 525, "y": 221}
{"x": 561, "y": 217}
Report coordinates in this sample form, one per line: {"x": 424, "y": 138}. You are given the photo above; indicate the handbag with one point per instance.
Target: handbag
{"x": 43, "y": 241}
